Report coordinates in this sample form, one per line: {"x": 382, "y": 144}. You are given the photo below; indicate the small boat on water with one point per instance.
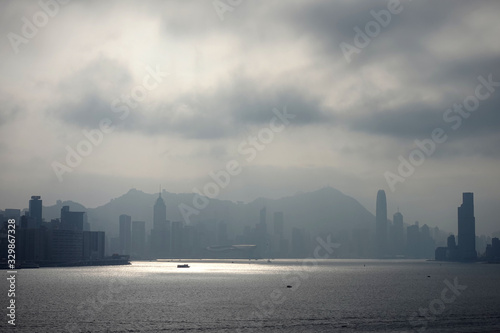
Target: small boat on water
{"x": 183, "y": 266}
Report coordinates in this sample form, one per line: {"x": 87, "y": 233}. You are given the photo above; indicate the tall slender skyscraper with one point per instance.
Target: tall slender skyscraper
{"x": 467, "y": 228}
{"x": 36, "y": 209}
{"x": 125, "y": 234}
{"x": 159, "y": 214}
{"x": 160, "y": 234}
{"x": 381, "y": 224}
{"x": 138, "y": 245}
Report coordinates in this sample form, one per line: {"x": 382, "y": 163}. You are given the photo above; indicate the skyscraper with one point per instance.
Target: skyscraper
{"x": 381, "y": 224}
{"x": 138, "y": 246}
{"x": 71, "y": 220}
{"x": 160, "y": 234}
{"x": 398, "y": 234}
{"x": 125, "y": 234}
{"x": 261, "y": 234}
{"x": 176, "y": 239}
{"x": 36, "y": 209}
{"x": 467, "y": 228}
{"x": 159, "y": 214}
{"x": 278, "y": 224}
{"x": 413, "y": 241}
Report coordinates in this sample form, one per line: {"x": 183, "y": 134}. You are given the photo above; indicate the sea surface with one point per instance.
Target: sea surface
{"x": 253, "y": 296}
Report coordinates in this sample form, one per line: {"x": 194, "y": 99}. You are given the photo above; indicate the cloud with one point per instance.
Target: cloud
{"x": 211, "y": 114}
{"x": 9, "y": 110}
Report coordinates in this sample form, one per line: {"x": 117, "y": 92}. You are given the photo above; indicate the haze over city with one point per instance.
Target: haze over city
{"x": 250, "y": 166}
{"x": 355, "y": 112}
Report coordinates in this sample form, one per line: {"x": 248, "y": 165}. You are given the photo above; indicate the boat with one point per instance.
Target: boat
{"x": 183, "y": 266}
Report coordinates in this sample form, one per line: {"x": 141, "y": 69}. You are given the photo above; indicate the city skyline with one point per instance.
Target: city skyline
{"x": 250, "y": 166}
{"x": 71, "y": 239}
{"x": 392, "y": 208}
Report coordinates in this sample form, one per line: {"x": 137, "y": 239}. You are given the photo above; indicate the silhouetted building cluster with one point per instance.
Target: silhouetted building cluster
{"x": 465, "y": 250}
{"x": 392, "y": 240}
{"x": 210, "y": 238}
{"x": 206, "y": 238}
{"x": 69, "y": 239}
{"x": 492, "y": 252}
{"x": 60, "y": 241}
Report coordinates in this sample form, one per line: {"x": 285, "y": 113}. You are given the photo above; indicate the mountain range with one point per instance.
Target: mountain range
{"x": 326, "y": 210}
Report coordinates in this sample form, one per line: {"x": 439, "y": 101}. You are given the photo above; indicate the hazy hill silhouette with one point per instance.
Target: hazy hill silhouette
{"x": 322, "y": 211}
{"x": 52, "y": 212}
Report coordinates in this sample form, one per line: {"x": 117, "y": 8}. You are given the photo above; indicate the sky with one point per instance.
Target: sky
{"x": 98, "y": 97}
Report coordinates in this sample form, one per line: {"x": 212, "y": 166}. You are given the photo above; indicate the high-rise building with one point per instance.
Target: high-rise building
{"x": 278, "y": 224}
{"x": 138, "y": 246}
{"x": 65, "y": 245}
{"x": 261, "y": 235}
{"x": 427, "y": 244}
{"x": 71, "y": 220}
{"x": 413, "y": 241}
{"x": 278, "y": 244}
{"x": 176, "y": 240}
{"x": 159, "y": 214}
{"x": 398, "y": 234}
{"x": 381, "y": 224}
{"x": 451, "y": 248}
{"x": 35, "y": 206}
{"x": 467, "y": 228}
{"x": 11, "y": 213}
{"x": 298, "y": 243}
{"x": 450, "y": 242}
{"x": 125, "y": 234}
{"x": 93, "y": 245}
{"x": 160, "y": 234}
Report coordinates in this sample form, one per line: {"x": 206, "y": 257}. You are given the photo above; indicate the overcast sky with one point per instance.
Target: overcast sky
{"x": 360, "y": 100}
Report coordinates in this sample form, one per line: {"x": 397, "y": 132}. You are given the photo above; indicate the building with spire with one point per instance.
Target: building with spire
{"x": 159, "y": 213}
{"x": 160, "y": 234}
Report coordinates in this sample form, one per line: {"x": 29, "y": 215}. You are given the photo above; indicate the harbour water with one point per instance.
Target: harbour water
{"x": 259, "y": 296}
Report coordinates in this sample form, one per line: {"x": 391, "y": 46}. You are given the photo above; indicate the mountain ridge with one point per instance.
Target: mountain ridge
{"x": 321, "y": 211}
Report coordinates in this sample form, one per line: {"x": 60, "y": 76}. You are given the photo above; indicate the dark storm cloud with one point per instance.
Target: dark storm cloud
{"x": 231, "y": 106}
{"x": 485, "y": 146}
{"x": 407, "y": 123}
{"x": 421, "y": 64}
{"x": 85, "y": 96}
{"x": 417, "y": 121}
{"x": 407, "y": 39}
{"x": 219, "y": 113}
{"x": 327, "y": 24}
{"x": 228, "y": 110}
